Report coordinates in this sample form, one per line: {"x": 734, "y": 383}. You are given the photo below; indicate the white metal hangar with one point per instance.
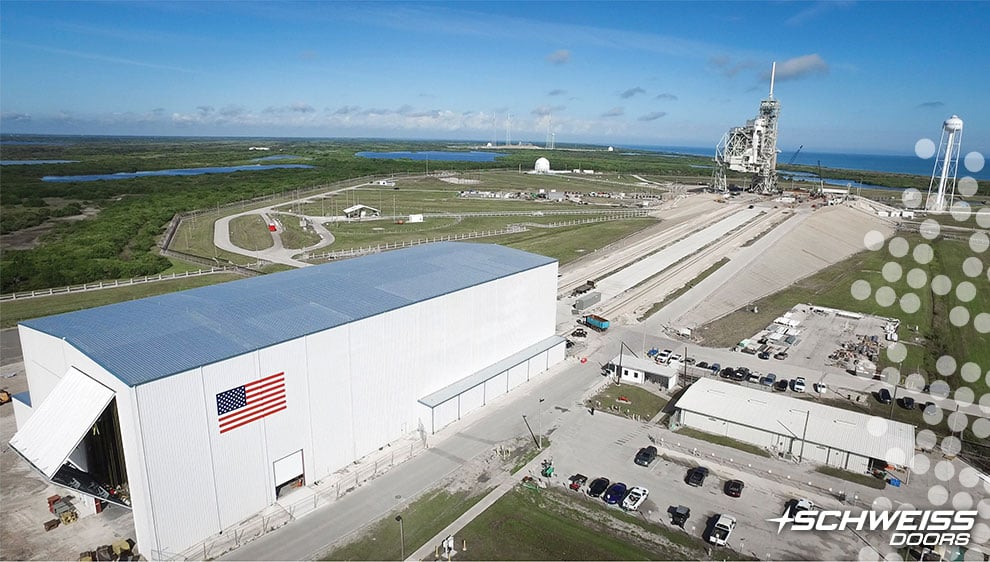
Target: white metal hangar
{"x": 193, "y": 408}
{"x": 800, "y": 429}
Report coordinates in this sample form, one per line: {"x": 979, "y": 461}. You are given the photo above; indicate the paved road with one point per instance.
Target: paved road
{"x": 277, "y": 253}
{"x": 10, "y": 346}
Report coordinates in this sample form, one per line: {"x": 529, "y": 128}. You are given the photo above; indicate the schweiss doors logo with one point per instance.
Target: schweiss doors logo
{"x": 910, "y": 527}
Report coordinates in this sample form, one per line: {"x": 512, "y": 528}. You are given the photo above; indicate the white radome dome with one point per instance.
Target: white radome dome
{"x": 542, "y": 165}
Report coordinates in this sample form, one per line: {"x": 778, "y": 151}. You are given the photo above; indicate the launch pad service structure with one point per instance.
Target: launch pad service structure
{"x": 751, "y": 149}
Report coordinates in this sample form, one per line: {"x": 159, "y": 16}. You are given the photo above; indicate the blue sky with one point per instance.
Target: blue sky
{"x": 852, "y": 77}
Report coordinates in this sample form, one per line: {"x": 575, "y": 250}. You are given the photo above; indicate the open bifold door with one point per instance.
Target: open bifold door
{"x": 61, "y": 422}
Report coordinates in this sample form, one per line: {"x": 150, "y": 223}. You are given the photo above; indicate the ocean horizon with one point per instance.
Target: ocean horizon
{"x": 890, "y": 163}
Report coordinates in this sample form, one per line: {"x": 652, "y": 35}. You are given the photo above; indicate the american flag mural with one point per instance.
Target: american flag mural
{"x": 250, "y": 402}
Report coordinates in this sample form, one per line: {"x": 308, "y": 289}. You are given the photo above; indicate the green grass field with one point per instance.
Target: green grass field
{"x": 16, "y": 311}
{"x": 640, "y": 402}
{"x": 296, "y": 237}
{"x": 552, "y": 524}
{"x": 421, "y": 519}
{"x": 195, "y": 236}
{"x": 250, "y": 232}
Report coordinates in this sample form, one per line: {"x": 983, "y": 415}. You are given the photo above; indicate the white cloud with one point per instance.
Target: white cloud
{"x": 562, "y": 56}
{"x": 799, "y": 67}
{"x": 632, "y": 92}
{"x": 652, "y": 116}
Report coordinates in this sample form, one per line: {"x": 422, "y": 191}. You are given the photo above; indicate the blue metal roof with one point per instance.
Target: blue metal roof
{"x": 144, "y": 340}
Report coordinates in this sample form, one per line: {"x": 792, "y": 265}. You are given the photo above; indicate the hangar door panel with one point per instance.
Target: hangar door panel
{"x": 61, "y": 421}
{"x": 288, "y": 468}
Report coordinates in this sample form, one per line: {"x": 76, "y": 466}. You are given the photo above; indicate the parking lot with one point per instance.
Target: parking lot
{"x": 605, "y": 446}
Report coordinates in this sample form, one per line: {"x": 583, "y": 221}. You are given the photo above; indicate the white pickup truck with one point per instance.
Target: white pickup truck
{"x": 722, "y": 529}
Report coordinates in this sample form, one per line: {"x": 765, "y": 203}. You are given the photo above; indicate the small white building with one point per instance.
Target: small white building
{"x": 794, "y": 428}
{"x": 361, "y": 211}
{"x": 632, "y": 369}
{"x": 542, "y": 166}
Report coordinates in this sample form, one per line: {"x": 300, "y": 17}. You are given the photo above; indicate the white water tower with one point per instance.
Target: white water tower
{"x": 946, "y": 165}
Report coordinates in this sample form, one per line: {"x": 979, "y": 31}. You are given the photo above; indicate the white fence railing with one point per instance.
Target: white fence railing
{"x": 115, "y": 283}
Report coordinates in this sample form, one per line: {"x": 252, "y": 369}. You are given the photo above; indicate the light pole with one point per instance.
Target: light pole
{"x": 804, "y": 435}
{"x": 402, "y": 538}
{"x": 541, "y": 424}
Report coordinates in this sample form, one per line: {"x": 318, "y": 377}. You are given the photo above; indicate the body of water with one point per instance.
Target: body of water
{"x": 434, "y": 155}
{"x": 29, "y": 162}
{"x": 891, "y": 163}
{"x": 177, "y": 172}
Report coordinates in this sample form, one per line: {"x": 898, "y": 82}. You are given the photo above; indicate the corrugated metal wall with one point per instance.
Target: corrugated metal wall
{"x": 241, "y": 464}
{"x": 332, "y": 416}
{"x": 181, "y": 489}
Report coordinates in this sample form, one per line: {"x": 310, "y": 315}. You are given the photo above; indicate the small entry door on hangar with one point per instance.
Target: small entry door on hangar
{"x": 289, "y": 470}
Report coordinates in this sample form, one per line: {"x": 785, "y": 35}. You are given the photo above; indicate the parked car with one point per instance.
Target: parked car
{"x": 906, "y": 402}
{"x": 635, "y": 498}
{"x": 764, "y": 355}
{"x": 579, "y": 333}
{"x": 727, "y": 373}
{"x": 820, "y": 387}
{"x": 715, "y": 367}
{"x": 797, "y": 385}
{"x": 646, "y": 455}
{"x": 615, "y": 493}
{"x": 702, "y": 365}
{"x": 577, "y": 481}
{"x": 675, "y": 357}
{"x": 768, "y": 380}
{"x": 884, "y": 397}
{"x": 734, "y": 488}
{"x": 794, "y": 506}
{"x": 696, "y": 476}
{"x": 753, "y": 378}
{"x": 781, "y": 355}
{"x": 781, "y": 385}
{"x": 738, "y": 375}
{"x": 722, "y": 528}
{"x": 689, "y": 360}
{"x": 598, "y": 487}
{"x": 663, "y": 356}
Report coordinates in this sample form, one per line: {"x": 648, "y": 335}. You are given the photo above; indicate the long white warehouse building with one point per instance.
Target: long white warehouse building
{"x": 194, "y": 408}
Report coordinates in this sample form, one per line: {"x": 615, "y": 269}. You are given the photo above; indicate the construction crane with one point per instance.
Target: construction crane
{"x": 794, "y": 157}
